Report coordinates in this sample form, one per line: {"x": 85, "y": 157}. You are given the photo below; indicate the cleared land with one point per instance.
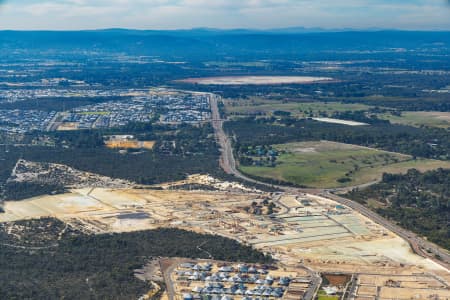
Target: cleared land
{"x": 401, "y": 287}
{"x": 46, "y": 173}
{"x": 321, "y": 164}
{"x": 256, "y": 80}
{"x": 306, "y": 229}
{"x": 256, "y": 105}
{"x": 131, "y": 144}
{"x": 421, "y": 118}
{"x": 67, "y": 126}
{"x": 341, "y": 122}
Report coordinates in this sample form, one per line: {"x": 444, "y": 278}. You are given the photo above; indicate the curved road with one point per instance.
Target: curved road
{"x": 228, "y": 163}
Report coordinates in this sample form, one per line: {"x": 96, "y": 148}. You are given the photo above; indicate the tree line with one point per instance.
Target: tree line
{"x": 419, "y": 202}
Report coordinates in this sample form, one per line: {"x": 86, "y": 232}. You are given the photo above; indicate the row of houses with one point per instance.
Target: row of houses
{"x": 228, "y": 281}
{"x": 240, "y": 268}
{"x": 21, "y": 121}
{"x": 215, "y": 297}
{"x": 22, "y": 94}
{"x": 232, "y": 278}
{"x": 239, "y": 290}
{"x": 141, "y": 107}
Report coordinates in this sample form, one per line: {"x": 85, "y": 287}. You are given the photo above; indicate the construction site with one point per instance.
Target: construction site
{"x": 303, "y": 231}
{"x": 416, "y": 286}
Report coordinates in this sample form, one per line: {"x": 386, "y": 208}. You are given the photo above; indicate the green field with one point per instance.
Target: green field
{"x": 256, "y": 105}
{"x": 321, "y": 295}
{"x": 421, "y": 118}
{"x": 103, "y": 113}
{"x": 322, "y": 164}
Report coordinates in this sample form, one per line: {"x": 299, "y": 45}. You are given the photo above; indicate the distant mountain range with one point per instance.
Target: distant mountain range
{"x": 209, "y": 31}
{"x": 213, "y": 31}
{"x": 205, "y": 42}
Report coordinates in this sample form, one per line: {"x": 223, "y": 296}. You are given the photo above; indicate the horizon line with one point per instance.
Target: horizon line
{"x": 299, "y": 29}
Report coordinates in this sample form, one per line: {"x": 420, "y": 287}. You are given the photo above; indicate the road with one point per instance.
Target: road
{"x": 168, "y": 266}
{"x": 228, "y": 163}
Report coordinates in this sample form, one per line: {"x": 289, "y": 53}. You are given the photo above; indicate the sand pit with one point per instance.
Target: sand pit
{"x": 256, "y": 80}
{"x": 340, "y": 122}
{"x": 132, "y": 144}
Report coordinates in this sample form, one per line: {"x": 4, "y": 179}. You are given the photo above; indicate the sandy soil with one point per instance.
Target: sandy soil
{"x": 68, "y": 126}
{"x": 398, "y": 250}
{"x": 103, "y": 210}
{"x": 409, "y": 293}
{"x": 130, "y": 144}
{"x": 341, "y": 122}
{"x": 47, "y": 173}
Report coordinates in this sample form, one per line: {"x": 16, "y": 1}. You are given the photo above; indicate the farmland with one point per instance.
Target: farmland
{"x": 421, "y": 118}
{"x": 326, "y": 164}
{"x": 264, "y": 106}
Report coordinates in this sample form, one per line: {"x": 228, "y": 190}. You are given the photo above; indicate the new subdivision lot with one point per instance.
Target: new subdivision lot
{"x": 421, "y": 286}
{"x": 304, "y": 226}
{"x": 304, "y": 230}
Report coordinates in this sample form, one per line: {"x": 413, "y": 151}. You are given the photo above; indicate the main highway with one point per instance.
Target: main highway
{"x": 419, "y": 245}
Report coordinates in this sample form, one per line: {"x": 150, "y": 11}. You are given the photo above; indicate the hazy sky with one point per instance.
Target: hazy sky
{"x": 173, "y": 14}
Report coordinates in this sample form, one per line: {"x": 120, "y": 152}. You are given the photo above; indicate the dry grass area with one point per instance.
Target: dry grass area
{"x": 267, "y": 106}
{"x": 421, "y": 118}
{"x": 130, "y": 144}
{"x": 256, "y": 80}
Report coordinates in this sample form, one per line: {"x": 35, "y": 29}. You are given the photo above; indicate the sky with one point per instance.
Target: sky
{"x": 226, "y": 14}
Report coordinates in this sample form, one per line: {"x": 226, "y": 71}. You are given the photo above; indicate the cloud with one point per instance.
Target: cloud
{"x": 170, "y": 14}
